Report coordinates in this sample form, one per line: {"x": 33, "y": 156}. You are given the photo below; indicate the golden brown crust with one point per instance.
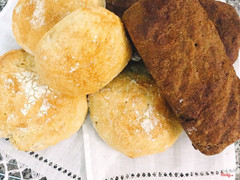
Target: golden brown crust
{"x": 31, "y": 113}
{"x": 184, "y": 53}
{"x": 33, "y": 18}
{"x": 131, "y": 115}
{"x": 227, "y": 21}
{"x": 86, "y": 50}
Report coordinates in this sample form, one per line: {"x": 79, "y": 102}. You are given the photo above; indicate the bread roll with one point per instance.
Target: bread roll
{"x": 83, "y": 52}
{"x": 131, "y": 115}
{"x": 33, "y": 115}
{"x": 33, "y": 18}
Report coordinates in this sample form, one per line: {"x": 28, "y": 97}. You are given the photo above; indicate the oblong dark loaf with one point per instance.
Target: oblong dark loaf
{"x": 224, "y": 17}
{"x": 183, "y": 51}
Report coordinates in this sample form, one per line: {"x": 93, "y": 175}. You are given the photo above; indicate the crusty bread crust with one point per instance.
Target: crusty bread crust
{"x": 33, "y": 115}
{"x": 86, "y": 50}
{"x": 185, "y": 55}
{"x": 32, "y": 18}
{"x": 131, "y": 115}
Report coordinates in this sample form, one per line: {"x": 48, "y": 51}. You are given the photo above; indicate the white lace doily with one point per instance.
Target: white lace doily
{"x": 11, "y": 169}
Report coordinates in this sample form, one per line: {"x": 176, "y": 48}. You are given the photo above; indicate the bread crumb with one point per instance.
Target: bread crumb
{"x": 190, "y": 130}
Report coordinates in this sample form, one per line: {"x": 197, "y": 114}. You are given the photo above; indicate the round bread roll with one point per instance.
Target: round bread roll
{"x": 33, "y": 18}
{"x": 33, "y": 115}
{"x": 83, "y": 52}
{"x": 131, "y": 115}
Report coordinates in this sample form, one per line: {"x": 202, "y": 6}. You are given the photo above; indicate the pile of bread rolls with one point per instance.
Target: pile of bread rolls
{"x": 74, "y": 50}
{"x": 65, "y": 57}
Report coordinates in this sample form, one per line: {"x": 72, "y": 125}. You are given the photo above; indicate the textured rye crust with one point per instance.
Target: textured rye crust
{"x": 119, "y": 6}
{"x": 185, "y": 55}
{"x": 226, "y": 20}
{"x": 224, "y": 17}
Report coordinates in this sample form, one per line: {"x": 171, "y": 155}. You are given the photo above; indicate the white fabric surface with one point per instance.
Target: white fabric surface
{"x": 104, "y": 162}
{"x": 68, "y": 154}
{"x": 87, "y": 156}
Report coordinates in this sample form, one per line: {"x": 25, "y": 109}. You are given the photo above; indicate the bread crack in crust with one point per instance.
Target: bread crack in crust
{"x": 183, "y": 51}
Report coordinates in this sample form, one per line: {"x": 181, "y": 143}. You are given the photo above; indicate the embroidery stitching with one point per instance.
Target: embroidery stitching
{"x": 53, "y": 165}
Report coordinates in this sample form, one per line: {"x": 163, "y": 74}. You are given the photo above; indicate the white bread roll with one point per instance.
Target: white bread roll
{"x": 33, "y": 18}
{"x": 83, "y": 52}
{"x": 131, "y": 115}
{"x": 33, "y": 115}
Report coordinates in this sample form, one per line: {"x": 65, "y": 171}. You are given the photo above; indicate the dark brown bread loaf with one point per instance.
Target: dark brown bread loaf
{"x": 224, "y": 17}
{"x": 182, "y": 50}
{"x": 226, "y": 20}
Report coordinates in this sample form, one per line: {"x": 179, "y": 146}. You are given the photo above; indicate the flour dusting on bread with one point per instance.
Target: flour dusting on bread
{"x": 33, "y": 91}
{"x": 8, "y": 83}
{"x": 131, "y": 115}
{"x": 38, "y": 18}
{"x": 31, "y": 113}
{"x": 44, "y": 108}
{"x": 147, "y": 125}
{"x": 12, "y": 117}
{"x": 148, "y": 120}
{"x": 18, "y": 9}
{"x": 74, "y": 68}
